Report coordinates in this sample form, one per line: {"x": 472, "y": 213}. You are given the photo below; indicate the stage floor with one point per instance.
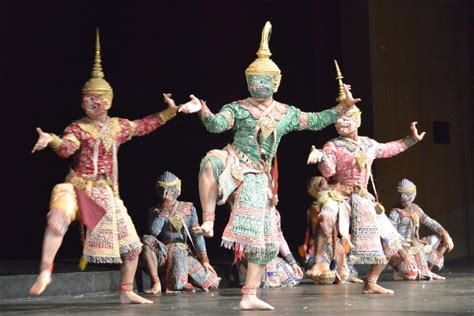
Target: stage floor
{"x": 452, "y": 296}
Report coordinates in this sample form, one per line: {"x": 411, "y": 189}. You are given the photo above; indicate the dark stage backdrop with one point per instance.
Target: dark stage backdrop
{"x": 182, "y": 47}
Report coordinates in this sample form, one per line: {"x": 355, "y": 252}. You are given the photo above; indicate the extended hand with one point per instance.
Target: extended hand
{"x": 314, "y": 156}
{"x": 43, "y": 140}
{"x": 192, "y": 106}
{"x": 349, "y": 100}
{"x": 206, "y": 229}
{"x": 448, "y": 242}
{"x": 414, "y": 132}
{"x": 171, "y": 104}
{"x": 297, "y": 270}
{"x": 207, "y": 266}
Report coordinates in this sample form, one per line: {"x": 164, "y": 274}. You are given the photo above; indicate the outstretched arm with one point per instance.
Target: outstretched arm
{"x": 220, "y": 122}
{"x": 394, "y": 148}
{"x": 319, "y": 120}
{"x": 64, "y": 147}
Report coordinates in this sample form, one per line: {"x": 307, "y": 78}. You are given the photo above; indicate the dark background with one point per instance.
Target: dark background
{"x": 151, "y": 47}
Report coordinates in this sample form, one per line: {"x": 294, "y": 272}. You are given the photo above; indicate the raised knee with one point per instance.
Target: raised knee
{"x": 58, "y": 222}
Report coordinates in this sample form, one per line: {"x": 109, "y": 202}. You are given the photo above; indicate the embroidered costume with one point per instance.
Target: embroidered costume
{"x": 348, "y": 165}
{"x": 424, "y": 251}
{"x": 90, "y": 192}
{"x": 279, "y": 271}
{"x": 169, "y": 239}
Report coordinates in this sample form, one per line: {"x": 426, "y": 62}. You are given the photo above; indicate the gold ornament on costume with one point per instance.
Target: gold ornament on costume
{"x": 263, "y": 65}
{"x": 177, "y": 221}
{"x": 361, "y": 159}
{"x": 97, "y": 83}
{"x": 267, "y": 126}
{"x": 342, "y": 96}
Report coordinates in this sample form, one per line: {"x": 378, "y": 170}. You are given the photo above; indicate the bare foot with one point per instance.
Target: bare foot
{"x": 315, "y": 271}
{"x": 130, "y": 297}
{"x": 373, "y": 288}
{"x": 43, "y": 280}
{"x": 155, "y": 289}
{"x": 355, "y": 280}
{"x": 435, "y": 276}
{"x": 206, "y": 229}
{"x": 253, "y": 302}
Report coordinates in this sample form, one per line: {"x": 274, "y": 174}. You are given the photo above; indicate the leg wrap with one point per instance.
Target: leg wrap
{"x": 372, "y": 278}
{"x": 131, "y": 254}
{"x": 246, "y": 290}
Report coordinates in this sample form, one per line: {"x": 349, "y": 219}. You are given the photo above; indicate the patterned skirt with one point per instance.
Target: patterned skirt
{"x": 180, "y": 266}
{"x": 252, "y": 225}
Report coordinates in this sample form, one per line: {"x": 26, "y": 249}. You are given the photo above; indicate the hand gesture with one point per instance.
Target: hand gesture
{"x": 349, "y": 100}
{"x": 297, "y": 270}
{"x": 209, "y": 269}
{"x": 170, "y": 102}
{"x": 206, "y": 229}
{"x": 414, "y": 132}
{"x": 448, "y": 242}
{"x": 314, "y": 156}
{"x": 43, "y": 140}
{"x": 192, "y": 106}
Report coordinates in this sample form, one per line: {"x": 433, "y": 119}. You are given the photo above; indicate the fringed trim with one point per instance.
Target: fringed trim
{"x": 101, "y": 260}
{"x": 249, "y": 248}
{"x": 367, "y": 260}
{"x": 131, "y": 251}
{"x": 391, "y": 249}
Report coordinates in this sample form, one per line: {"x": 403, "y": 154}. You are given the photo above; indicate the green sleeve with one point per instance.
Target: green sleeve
{"x": 312, "y": 120}
{"x": 220, "y": 122}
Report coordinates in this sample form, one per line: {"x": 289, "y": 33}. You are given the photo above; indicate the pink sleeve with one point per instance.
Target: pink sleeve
{"x": 327, "y": 166}
{"x": 391, "y": 149}
{"x": 69, "y": 143}
{"x": 138, "y": 127}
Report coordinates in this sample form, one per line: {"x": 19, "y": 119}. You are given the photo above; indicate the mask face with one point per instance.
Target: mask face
{"x": 346, "y": 125}
{"x": 406, "y": 198}
{"x": 260, "y": 86}
{"x": 94, "y": 104}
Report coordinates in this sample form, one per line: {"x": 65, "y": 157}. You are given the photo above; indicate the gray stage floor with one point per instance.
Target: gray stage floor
{"x": 452, "y": 296}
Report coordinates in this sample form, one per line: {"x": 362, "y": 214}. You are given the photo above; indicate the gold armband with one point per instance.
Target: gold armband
{"x": 55, "y": 142}
{"x": 166, "y": 115}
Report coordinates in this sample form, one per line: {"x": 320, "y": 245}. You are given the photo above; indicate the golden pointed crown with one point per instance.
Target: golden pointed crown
{"x": 342, "y": 96}
{"x": 97, "y": 83}
{"x": 263, "y": 65}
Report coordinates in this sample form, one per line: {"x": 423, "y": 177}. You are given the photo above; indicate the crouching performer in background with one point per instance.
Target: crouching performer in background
{"x": 90, "y": 193}
{"x": 172, "y": 242}
{"x": 426, "y": 252}
{"x": 325, "y": 249}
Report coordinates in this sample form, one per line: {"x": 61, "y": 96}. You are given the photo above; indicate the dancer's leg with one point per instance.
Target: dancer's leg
{"x": 249, "y": 290}
{"x": 370, "y": 285}
{"x": 152, "y": 264}
{"x": 127, "y": 296}
{"x": 51, "y": 243}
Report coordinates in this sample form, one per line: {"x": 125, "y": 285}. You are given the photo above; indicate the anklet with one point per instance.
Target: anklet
{"x": 126, "y": 287}
{"x": 246, "y": 290}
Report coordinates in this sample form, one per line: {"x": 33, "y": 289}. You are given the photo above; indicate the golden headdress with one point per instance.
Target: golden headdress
{"x": 406, "y": 186}
{"x": 354, "y": 111}
{"x": 97, "y": 83}
{"x": 263, "y": 65}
